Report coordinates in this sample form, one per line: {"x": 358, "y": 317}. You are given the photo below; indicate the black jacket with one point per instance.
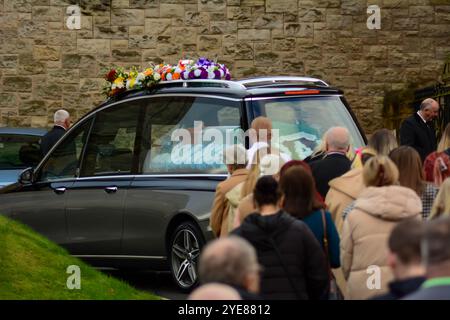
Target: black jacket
{"x": 299, "y": 249}
{"x": 401, "y": 288}
{"x": 50, "y": 138}
{"x": 419, "y": 135}
{"x": 328, "y": 168}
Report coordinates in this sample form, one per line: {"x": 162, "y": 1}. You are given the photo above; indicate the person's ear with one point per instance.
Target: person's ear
{"x": 392, "y": 260}
{"x": 251, "y": 282}
{"x": 281, "y": 201}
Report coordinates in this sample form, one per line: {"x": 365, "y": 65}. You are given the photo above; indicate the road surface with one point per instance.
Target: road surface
{"x": 159, "y": 283}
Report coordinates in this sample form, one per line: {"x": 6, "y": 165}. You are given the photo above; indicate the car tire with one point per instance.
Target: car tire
{"x": 184, "y": 249}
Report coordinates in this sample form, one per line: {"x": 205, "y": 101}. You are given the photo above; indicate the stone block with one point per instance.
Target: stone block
{"x": 127, "y": 17}
{"x": 17, "y": 84}
{"x": 253, "y": 34}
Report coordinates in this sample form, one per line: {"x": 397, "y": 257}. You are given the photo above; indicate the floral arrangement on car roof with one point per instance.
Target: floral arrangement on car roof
{"x": 117, "y": 80}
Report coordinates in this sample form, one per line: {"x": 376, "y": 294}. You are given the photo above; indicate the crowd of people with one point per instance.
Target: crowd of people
{"x": 374, "y": 224}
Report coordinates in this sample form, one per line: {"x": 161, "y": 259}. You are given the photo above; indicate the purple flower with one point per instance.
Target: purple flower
{"x": 203, "y": 62}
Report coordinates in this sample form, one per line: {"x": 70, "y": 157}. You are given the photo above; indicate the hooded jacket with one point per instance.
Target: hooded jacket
{"x": 300, "y": 252}
{"x": 343, "y": 191}
{"x": 364, "y": 242}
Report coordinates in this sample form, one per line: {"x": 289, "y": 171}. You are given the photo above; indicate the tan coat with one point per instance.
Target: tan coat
{"x": 343, "y": 191}
{"x": 220, "y": 208}
{"x": 245, "y": 208}
{"x": 366, "y": 232}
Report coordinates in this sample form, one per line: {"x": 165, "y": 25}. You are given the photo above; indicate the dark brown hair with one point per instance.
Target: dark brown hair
{"x": 297, "y": 185}
{"x": 410, "y": 168}
{"x": 266, "y": 191}
{"x": 405, "y": 241}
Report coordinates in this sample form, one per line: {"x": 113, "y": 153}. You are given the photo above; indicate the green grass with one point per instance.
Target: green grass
{"x": 32, "y": 267}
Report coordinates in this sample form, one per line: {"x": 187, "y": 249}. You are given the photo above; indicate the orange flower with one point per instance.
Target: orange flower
{"x": 148, "y": 72}
{"x": 175, "y": 76}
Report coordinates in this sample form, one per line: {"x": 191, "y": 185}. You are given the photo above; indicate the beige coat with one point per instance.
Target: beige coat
{"x": 343, "y": 190}
{"x": 220, "y": 208}
{"x": 366, "y": 232}
{"x": 245, "y": 208}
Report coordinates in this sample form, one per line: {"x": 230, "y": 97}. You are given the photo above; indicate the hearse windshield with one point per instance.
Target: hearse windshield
{"x": 302, "y": 121}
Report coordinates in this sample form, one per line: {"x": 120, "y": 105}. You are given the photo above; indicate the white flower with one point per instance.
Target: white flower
{"x": 211, "y": 75}
{"x": 168, "y": 76}
{"x": 156, "y": 76}
{"x": 197, "y": 73}
{"x": 140, "y": 77}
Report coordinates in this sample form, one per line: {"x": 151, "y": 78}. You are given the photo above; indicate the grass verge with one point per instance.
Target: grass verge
{"x": 32, "y": 267}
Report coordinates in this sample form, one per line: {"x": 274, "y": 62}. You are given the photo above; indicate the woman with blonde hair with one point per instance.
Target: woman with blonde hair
{"x": 382, "y": 141}
{"x": 367, "y": 227}
{"x": 441, "y": 205}
{"x": 437, "y": 164}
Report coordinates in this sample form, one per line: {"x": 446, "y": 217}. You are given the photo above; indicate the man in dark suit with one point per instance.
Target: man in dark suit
{"x": 436, "y": 258}
{"x": 418, "y": 132}
{"x": 62, "y": 123}
{"x": 335, "y": 163}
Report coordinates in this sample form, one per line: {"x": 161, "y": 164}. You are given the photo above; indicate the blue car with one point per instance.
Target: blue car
{"x": 19, "y": 149}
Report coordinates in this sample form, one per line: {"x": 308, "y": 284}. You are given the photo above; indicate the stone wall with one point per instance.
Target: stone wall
{"x": 44, "y": 66}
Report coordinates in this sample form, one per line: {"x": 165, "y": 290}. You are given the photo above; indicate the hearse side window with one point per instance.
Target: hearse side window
{"x": 167, "y": 118}
{"x": 64, "y": 160}
{"x": 111, "y": 144}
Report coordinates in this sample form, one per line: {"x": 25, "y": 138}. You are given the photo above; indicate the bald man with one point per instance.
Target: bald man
{"x": 335, "y": 163}
{"x": 214, "y": 291}
{"x": 418, "y": 132}
{"x": 231, "y": 261}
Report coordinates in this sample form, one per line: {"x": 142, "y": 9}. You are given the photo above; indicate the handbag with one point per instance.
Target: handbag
{"x": 334, "y": 293}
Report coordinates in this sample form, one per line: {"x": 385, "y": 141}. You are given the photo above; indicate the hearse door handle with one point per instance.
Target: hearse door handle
{"x": 111, "y": 189}
{"x": 59, "y": 190}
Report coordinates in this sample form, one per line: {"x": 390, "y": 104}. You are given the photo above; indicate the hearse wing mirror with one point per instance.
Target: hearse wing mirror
{"x": 26, "y": 176}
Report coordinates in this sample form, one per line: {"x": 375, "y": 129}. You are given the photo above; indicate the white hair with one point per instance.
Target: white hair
{"x": 60, "y": 116}
{"x": 338, "y": 138}
{"x": 427, "y": 103}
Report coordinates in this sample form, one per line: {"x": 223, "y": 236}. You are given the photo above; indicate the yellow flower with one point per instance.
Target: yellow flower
{"x": 119, "y": 82}
{"x": 130, "y": 83}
